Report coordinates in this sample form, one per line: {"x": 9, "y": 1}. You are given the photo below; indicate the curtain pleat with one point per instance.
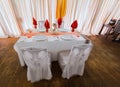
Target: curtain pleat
{"x": 58, "y": 8}
{"x": 61, "y": 8}
{"x": 16, "y": 15}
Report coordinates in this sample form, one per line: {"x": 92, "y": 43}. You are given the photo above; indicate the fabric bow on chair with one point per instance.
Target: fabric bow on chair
{"x": 34, "y": 22}
{"x": 74, "y": 25}
{"x": 47, "y": 25}
{"x": 59, "y": 22}
{"x": 72, "y": 62}
{"x": 38, "y": 63}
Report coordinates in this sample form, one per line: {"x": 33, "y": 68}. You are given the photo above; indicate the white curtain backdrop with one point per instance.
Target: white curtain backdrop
{"x": 8, "y": 21}
{"x": 16, "y": 15}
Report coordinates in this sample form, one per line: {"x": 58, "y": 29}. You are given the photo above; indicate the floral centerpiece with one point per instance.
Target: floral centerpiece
{"x": 54, "y": 30}
{"x": 29, "y": 33}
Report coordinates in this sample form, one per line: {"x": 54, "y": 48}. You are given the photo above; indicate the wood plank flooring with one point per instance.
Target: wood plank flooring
{"x": 102, "y": 69}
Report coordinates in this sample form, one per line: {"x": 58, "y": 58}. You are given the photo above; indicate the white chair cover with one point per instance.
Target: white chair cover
{"x": 38, "y": 64}
{"x": 73, "y": 62}
{"x": 41, "y": 26}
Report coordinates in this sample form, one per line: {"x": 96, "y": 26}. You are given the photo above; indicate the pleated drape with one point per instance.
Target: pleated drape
{"x": 61, "y": 8}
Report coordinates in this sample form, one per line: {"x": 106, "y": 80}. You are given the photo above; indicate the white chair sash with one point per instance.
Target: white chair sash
{"x": 38, "y": 62}
{"x": 76, "y": 62}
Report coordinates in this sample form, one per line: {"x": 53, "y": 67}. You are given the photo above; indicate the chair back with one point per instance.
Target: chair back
{"x": 77, "y": 57}
{"x": 35, "y": 56}
{"x": 77, "y": 53}
{"x": 41, "y": 24}
{"x": 38, "y": 64}
{"x": 117, "y": 27}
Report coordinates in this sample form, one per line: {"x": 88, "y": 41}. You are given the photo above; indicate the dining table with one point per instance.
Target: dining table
{"x": 54, "y": 42}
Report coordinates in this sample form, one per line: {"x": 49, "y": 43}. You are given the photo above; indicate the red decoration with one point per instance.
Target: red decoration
{"x": 59, "y": 22}
{"x": 74, "y": 25}
{"x": 47, "y": 25}
{"x": 34, "y": 22}
{"x": 35, "y": 26}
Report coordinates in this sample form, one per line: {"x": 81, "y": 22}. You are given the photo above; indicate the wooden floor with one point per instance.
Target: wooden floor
{"x": 101, "y": 70}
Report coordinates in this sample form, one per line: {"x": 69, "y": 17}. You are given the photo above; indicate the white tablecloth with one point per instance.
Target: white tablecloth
{"x": 54, "y": 44}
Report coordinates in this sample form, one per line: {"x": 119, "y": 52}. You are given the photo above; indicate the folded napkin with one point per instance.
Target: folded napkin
{"x": 74, "y": 25}
{"x": 59, "y": 22}
{"x": 47, "y": 25}
{"x": 34, "y": 22}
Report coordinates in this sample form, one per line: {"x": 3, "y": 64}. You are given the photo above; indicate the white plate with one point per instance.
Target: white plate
{"x": 22, "y": 38}
{"x": 52, "y": 38}
{"x": 63, "y": 30}
{"x": 67, "y": 37}
{"x": 28, "y": 40}
{"x": 40, "y": 37}
{"x": 41, "y": 30}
